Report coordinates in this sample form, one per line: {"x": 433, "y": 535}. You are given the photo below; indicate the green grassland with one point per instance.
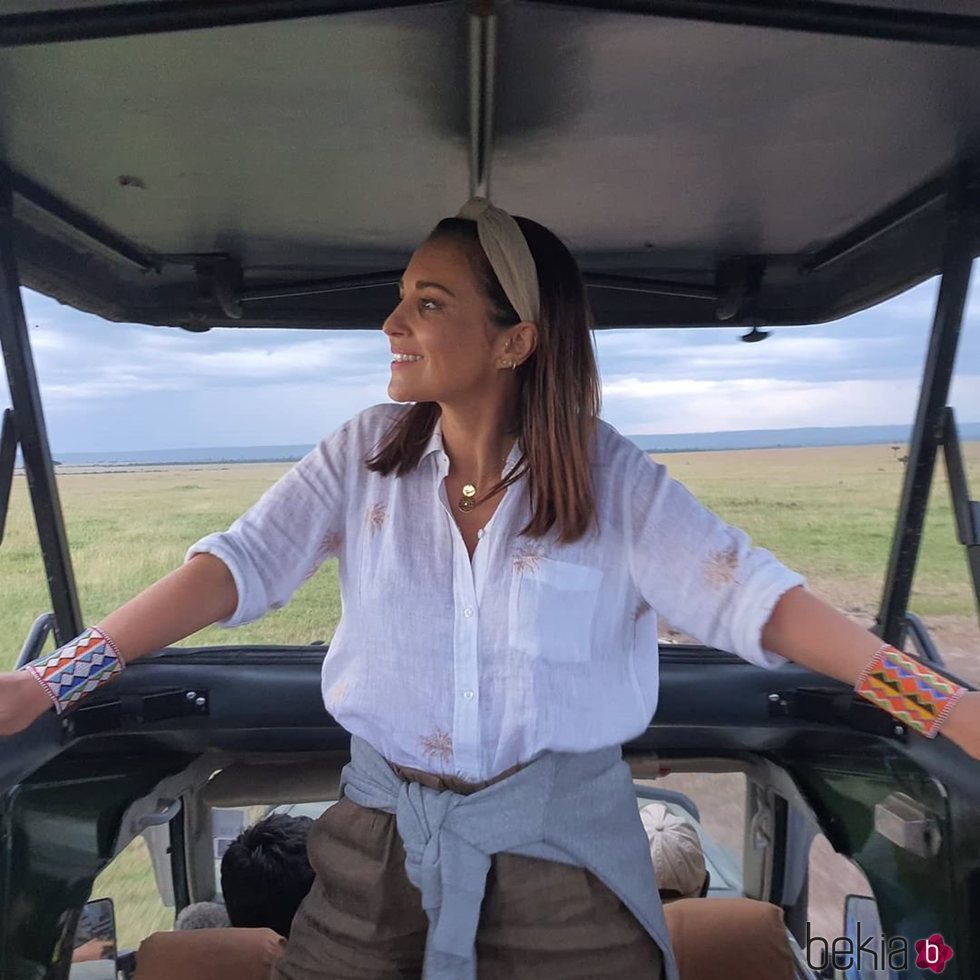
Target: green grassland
{"x": 826, "y": 512}
{"x": 830, "y": 514}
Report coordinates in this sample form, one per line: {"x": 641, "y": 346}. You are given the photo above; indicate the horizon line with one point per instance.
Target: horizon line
{"x": 631, "y": 435}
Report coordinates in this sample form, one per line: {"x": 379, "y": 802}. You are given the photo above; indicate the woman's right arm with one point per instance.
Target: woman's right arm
{"x": 231, "y": 577}
{"x": 197, "y": 594}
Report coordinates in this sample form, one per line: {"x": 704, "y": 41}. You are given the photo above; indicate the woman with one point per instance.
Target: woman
{"x": 501, "y": 554}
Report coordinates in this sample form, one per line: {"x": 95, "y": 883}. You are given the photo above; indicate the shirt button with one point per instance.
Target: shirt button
{"x": 479, "y": 533}
{"x": 468, "y": 695}
{"x": 467, "y": 613}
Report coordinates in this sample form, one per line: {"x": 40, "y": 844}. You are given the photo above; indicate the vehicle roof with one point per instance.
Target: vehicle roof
{"x": 749, "y": 162}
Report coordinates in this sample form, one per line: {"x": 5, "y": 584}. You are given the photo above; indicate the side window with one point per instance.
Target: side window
{"x": 23, "y": 583}
{"x": 942, "y": 590}
{"x": 720, "y": 800}
{"x": 130, "y": 883}
{"x": 832, "y": 878}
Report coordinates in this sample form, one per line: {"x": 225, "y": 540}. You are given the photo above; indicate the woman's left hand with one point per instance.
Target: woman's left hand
{"x": 963, "y": 724}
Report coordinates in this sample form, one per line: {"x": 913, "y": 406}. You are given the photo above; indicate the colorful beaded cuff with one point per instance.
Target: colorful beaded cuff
{"x": 908, "y": 690}
{"x": 77, "y": 668}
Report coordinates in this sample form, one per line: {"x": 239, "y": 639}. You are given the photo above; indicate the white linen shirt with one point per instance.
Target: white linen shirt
{"x": 470, "y": 667}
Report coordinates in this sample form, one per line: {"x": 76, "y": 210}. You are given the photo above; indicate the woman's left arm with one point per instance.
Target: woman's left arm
{"x": 807, "y": 631}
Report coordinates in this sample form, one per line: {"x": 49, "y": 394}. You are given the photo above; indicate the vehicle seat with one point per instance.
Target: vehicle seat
{"x": 208, "y": 954}
{"x": 729, "y": 939}
{"x": 713, "y": 939}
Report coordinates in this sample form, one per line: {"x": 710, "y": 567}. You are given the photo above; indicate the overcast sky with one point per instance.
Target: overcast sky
{"x": 111, "y": 387}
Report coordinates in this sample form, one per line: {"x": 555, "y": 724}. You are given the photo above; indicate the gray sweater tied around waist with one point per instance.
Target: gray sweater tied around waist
{"x": 574, "y": 808}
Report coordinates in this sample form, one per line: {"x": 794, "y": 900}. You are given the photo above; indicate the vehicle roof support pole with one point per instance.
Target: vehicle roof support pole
{"x": 31, "y": 431}
{"x": 927, "y": 433}
{"x": 482, "y": 74}
{"x": 966, "y": 512}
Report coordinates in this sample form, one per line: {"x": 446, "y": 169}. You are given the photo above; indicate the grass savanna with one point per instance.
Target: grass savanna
{"x": 830, "y": 513}
{"x": 827, "y": 512}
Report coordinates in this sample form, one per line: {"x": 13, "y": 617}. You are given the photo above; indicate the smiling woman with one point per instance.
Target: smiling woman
{"x": 753, "y": 164}
{"x": 503, "y": 557}
{"x": 458, "y": 316}
{"x": 441, "y": 326}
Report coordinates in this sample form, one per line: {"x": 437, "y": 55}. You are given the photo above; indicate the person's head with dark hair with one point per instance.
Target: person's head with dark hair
{"x": 478, "y": 355}
{"x": 266, "y": 874}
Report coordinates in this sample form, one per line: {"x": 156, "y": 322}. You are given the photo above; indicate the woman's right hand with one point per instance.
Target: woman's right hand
{"x": 22, "y": 701}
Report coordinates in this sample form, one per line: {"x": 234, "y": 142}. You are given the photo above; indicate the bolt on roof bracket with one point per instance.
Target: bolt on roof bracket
{"x": 737, "y": 278}
{"x": 221, "y": 280}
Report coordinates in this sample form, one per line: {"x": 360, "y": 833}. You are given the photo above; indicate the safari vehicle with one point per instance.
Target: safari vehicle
{"x": 753, "y": 163}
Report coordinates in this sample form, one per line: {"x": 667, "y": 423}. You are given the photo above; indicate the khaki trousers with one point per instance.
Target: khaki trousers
{"x": 363, "y": 918}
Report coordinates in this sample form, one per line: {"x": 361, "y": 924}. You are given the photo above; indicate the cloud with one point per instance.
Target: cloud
{"x": 283, "y": 360}
{"x": 673, "y": 352}
{"x": 698, "y": 405}
{"x": 123, "y": 386}
{"x": 119, "y": 361}
{"x": 920, "y": 303}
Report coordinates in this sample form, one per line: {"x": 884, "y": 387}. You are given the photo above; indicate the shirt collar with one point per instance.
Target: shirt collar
{"x": 434, "y": 445}
{"x": 435, "y": 440}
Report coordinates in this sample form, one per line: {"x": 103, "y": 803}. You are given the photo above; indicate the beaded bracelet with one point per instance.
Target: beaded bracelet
{"x": 77, "y": 668}
{"x": 907, "y": 689}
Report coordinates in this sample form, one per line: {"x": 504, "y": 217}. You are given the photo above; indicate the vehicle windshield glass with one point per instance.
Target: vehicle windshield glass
{"x": 162, "y": 436}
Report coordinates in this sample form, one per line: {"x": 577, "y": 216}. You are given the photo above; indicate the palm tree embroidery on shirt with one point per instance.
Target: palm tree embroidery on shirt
{"x": 528, "y": 557}
{"x": 337, "y": 694}
{"x": 642, "y": 608}
{"x": 438, "y": 745}
{"x": 721, "y": 566}
{"x": 375, "y": 517}
{"x": 328, "y": 548}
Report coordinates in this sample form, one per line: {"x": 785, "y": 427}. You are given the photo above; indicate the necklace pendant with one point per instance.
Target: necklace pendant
{"x": 468, "y": 501}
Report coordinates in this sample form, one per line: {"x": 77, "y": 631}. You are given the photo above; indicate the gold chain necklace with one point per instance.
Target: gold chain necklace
{"x": 468, "y": 499}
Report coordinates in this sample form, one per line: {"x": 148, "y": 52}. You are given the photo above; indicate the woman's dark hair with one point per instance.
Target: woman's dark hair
{"x": 265, "y": 873}
{"x": 558, "y": 388}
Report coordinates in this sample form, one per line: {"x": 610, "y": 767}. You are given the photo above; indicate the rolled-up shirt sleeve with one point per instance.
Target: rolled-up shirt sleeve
{"x": 701, "y": 574}
{"x": 280, "y": 541}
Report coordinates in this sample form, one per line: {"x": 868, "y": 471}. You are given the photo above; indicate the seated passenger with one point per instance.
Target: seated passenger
{"x": 202, "y": 915}
{"x": 722, "y": 939}
{"x": 678, "y": 858}
{"x": 265, "y": 873}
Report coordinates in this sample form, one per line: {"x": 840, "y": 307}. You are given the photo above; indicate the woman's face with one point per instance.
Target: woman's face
{"x": 443, "y": 322}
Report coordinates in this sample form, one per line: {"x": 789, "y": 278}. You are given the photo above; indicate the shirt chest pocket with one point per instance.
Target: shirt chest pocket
{"x": 552, "y": 609}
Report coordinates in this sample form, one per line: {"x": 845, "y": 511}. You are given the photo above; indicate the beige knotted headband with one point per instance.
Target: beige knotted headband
{"x": 510, "y": 257}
